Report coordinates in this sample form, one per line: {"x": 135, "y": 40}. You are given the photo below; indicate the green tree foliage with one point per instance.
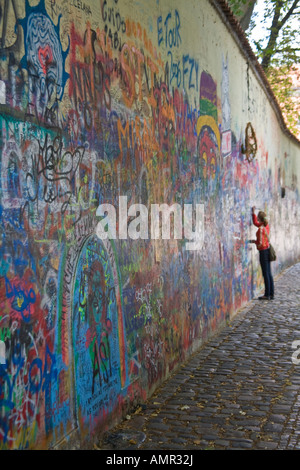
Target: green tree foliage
{"x": 278, "y": 49}
{"x": 243, "y": 10}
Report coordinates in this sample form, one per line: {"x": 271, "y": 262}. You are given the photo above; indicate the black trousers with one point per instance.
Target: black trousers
{"x": 264, "y": 258}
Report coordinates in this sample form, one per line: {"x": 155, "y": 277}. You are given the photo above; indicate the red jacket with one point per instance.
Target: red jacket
{"x": 261, "y": 241}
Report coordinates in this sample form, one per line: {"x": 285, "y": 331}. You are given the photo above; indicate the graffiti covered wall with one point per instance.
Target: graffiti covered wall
{"x": 152, "y": 100}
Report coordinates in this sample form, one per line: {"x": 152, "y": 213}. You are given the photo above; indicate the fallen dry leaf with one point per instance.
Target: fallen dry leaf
{"x": 132, "y": 441}
{"x": 185, "y": 407}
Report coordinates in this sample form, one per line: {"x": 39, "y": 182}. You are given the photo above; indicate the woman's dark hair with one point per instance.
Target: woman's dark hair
{"x": 263, "y": 218}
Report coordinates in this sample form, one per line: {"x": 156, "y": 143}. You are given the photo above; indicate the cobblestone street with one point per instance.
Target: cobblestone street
{"x": 240, "y": 391}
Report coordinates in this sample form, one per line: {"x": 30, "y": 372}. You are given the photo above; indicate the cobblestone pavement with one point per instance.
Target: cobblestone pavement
{"x": 240, "y": 391}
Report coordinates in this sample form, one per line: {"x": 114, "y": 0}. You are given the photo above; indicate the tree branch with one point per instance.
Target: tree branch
{"x": 276, "y": 27}
{"x": 269, "y": 49}
{"x": 293, "y": 49}
{"x": 289, "y": 13}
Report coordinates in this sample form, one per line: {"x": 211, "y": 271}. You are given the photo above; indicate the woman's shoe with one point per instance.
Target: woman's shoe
{"x": 264, "y": 297}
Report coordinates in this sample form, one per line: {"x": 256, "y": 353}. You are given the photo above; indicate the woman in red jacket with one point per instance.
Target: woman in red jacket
{"x": 263, "y": 246}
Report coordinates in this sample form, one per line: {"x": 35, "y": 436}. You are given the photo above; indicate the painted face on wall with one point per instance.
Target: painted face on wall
{"x": 44, "y": 57}
{"x": 207, "y": 153}
{"x": 97, "y": 342}
{"x": 97, "y": 296}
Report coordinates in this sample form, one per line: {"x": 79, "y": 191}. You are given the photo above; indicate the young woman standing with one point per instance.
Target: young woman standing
{"x": 263, "y": 246}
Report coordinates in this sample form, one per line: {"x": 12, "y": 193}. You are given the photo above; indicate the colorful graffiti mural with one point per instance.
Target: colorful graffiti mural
{"x": 114, "y": 105}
